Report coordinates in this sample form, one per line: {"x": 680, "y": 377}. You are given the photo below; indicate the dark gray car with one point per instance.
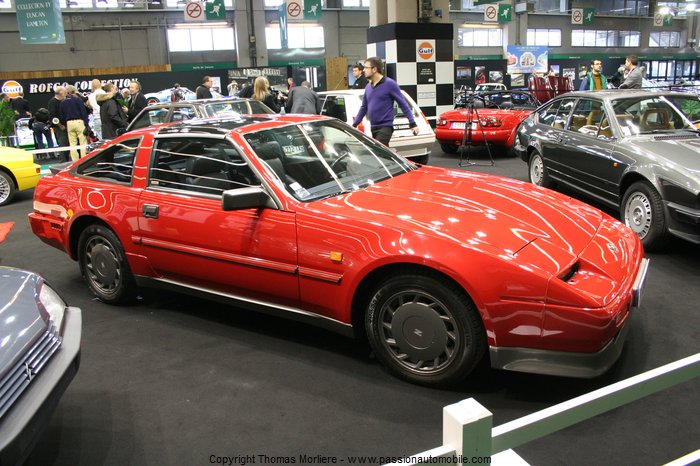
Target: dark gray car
{"x": 166, "y": 112}
{"x": 39, "y": 356}
{"x": 635, "y": 150}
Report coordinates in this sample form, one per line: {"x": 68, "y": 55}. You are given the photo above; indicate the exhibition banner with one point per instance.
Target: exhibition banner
{"x": 525, "y": 59}
{"x": 40, "y": 22}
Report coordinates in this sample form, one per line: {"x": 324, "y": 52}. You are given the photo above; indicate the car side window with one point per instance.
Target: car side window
{"x": 150, "y": 117}
{"x": 183, "y": 113}
{"x": 205, "y": 166}
{"x": 563, "y": 113}
{"x": 115, "y": 163}
{"x": 548, "y": 115}
{"x": 587, "y": 118}
{"x": 334, "y": 106}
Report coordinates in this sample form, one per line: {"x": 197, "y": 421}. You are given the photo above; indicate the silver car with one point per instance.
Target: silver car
{"x": 635, "y": 150}
{"x": 39, "y": 356}
{"x": 162, "y": 113}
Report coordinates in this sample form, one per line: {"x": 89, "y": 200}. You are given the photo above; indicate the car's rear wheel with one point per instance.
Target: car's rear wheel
{"x": 643, "y": 211}
{"x": 7, "y": 188}
{"x": 537, "y": 171}
{"x": 103, "y": 264}
{"x": 449, "y": 148}
{"x": 424, "y": 329}
{"x": 423, "y": 159}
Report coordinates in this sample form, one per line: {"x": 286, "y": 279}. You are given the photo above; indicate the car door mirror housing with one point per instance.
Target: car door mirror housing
{"x": 246, "y": 198}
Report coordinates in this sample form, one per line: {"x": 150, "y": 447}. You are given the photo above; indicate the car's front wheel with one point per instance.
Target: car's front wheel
{"x": 103, "y": 264}
{"x": 537, "y": 171}
{"x": 7, "y": 188}
{"x": 643, "y": 211}
{"x": 424, "y": 329}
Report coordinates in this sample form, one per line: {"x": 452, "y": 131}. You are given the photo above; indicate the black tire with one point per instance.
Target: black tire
{"x": 449, "y": 148}
{"x": 537, "y": 172}
{"x": 423, "y": 159}
{"x": 7, "y": 188}
{"x": 643, "y": 211}
{"x": 413, "y": 318}
{"x": 104, "y": 265}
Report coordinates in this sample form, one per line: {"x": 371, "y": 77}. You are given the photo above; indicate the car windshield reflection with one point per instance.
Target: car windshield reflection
{"x": 322, "y": 159}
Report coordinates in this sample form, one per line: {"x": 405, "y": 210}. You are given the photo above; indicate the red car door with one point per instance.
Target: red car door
{"x": 189, "y": 239}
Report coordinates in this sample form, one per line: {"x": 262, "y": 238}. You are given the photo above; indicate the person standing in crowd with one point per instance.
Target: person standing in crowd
{"x": 246, "y": 91}
{"x": 21, "y": 107}
{"x": 261, "y": 92}
{"x": 204, "y": 89}
{"x": 633, "y": 80}
{"x": 358, "y": 73}
{"x": 290, "y": 84}
{"x": 303, "y": 99}
{"x": 617, "y": 78}
{"x": 378, "y": 102}
{"x": 111, "y": 113}
{"x": 232, "y": 88}
{"x": 96, "y": 86}
{"x": 59, "y": 129}
{"x": 137, "y": 101}
{"x": 176, "y": 94}
{"x": 73, "y": 115}
{"x": 594, "y": 80}
{"x": 42, "y": 130}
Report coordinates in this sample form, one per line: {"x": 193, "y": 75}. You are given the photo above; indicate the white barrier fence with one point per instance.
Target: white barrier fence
{"x": 467, "y": 431}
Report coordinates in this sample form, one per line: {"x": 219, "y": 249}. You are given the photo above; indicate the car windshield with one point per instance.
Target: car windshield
{"x": 326, "y": 158}
{"x": 235, "y": 108}
{"x": 654, "y": 114}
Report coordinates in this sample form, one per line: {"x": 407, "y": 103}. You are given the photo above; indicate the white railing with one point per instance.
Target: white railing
{"x": 467, "y": 432}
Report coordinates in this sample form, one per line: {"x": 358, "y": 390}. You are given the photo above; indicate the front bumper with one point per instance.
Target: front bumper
{"x": 23, "y": 424}
{"x": 571, "y": 364}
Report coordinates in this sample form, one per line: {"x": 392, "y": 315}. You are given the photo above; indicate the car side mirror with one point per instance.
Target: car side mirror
{"x": 121, "y": 131}
{"x": 246, "y": 198}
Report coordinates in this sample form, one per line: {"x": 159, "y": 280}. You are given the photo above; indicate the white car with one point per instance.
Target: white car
{"x": 490, "y": 87}
{"x": 345, "y": 105}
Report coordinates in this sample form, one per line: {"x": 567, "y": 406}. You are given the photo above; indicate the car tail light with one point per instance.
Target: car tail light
{"x": 491, "y": 122}
{"x": 441, "y": 122}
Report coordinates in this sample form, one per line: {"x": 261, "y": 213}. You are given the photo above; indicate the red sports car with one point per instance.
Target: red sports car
{"x": 307, "y": 217}
{"x": 493, "y": 116}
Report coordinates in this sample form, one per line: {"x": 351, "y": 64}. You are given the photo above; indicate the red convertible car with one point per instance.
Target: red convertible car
{"x": 478, "y": 118}
{"x": 307, "y": 217}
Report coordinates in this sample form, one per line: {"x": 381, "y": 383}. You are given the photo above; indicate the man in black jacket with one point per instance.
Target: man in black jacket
{"x": 137, "y": 102}
{"x": 360, "y": 79}
{"x": 203, "y": 91}
{"x": 59, "y": 130}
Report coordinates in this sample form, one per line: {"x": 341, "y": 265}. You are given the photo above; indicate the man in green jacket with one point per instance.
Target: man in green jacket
{"x": 594, "y": 80}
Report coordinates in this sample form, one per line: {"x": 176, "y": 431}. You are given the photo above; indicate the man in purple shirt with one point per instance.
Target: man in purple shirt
{"x": 378, "y": 102}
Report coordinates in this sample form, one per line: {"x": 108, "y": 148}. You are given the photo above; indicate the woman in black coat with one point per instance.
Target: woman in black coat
{"x": 111, "y": 113}
{"x": 261, "y": 92}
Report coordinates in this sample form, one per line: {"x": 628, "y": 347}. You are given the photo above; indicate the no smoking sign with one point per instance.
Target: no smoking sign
{"x": 294, "y": 9}
{"x": 491, "y": 13}
{"x": 194, "y": 11}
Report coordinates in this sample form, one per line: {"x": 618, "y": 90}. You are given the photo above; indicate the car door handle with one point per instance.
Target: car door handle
{"x": 150, "y": 211}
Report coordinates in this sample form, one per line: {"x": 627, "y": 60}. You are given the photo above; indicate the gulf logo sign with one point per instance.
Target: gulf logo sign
{"x": 12, "y": 88}
{"x": 426, "y": 50}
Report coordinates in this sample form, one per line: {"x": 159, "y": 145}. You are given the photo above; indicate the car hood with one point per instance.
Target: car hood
{"x": 21, "y": 321}
{"x": 682, "y": 153}
{"x": 498, "y": 215}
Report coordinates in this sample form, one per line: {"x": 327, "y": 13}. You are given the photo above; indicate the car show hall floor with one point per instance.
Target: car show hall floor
{"x": 175, "y": 380}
